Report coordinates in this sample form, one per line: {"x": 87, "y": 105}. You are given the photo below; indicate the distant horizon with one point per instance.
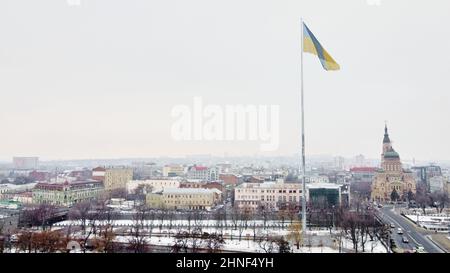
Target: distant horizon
{"x": 4, "y": 160}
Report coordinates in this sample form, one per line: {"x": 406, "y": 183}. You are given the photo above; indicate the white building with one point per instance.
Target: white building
{"x": 173, "y": 170}
{"x": 154, "y": 184}
{"x": 184, "y": 198}
{"x": 267, "y": 195}
{"x": 317, "y": 179}
{"x": 437, "y": 184}
{"x": 203, "y": 173}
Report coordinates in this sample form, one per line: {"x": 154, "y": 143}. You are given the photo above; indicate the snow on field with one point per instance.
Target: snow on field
{"x": 439, "y": 222}
{"x": 167, "y": 222}
{"x": 317, "y": 241}
{"x": 232, "y": 245}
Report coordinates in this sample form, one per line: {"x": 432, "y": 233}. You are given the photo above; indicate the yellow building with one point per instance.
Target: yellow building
{"x": 117, "y": 178}
{"x": 391, "y": 178}
{"x": 173, "y": 170}
{"x": 184, "y": 198}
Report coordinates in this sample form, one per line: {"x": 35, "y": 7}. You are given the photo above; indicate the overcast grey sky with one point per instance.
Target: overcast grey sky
{"x": 100, "y": 79}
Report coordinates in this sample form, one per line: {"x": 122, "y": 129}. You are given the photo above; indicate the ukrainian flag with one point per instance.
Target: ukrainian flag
{"x": 312, "y": 45}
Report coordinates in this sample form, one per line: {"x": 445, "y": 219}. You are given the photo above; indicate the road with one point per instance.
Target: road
{"x": 414, "y": 235}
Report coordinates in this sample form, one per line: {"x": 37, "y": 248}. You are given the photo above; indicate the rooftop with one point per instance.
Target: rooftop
{"x": 322, "y": 186}
{"x": 190, "y": 191}
{"x": 363, "y": 169}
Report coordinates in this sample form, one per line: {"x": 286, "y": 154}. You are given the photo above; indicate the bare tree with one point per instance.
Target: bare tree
{"x": 195, "y": 239}
{"x": 422, "y": 197}
{"x": 87, "y": 219}
{"x": 170, "y": 216}
{"x": 105, "y": 242}
{"x": 38, "y": 215}
{"x": 189, "y": 217}
{"x": 235, "y": 216}
{"x": 138, "y": 241}
{"x": 295, "y": 233}
{"x": 213, "y": 242}
{"x": 161, "y": 215}
{"x": 181, "y": 241}
{"x": 266, "y": 243}
{"x": 198, "y": 217}
{"x": 440, "y": 200}
{"x": 350, "y": 224}
{"x": 80, "y": 213}
{"x": 264, "y": 212}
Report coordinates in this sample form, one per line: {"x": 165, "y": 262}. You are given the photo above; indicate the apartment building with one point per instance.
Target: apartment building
{"x": 154, "y": 184}
{"x": 267, "y": 195}
{"x": 113, "y": 178}
{"x": 184, "y": 198}
{"x": 173, "y": 170}
{"x": 67, "y": 193}
{"x": 203, "y": 173}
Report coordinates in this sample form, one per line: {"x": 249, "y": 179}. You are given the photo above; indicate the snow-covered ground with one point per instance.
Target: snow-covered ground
{"x": 433, "y": 222}
{"x": 236, "y": 239}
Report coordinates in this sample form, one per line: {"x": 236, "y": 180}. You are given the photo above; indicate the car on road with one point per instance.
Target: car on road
{"x": 405, "y": 240}
{"x": 420, "y": 249}
{"x": 392, "y": 225}
{"x": 380, "y": 206}
{"x": 399, "y": 231}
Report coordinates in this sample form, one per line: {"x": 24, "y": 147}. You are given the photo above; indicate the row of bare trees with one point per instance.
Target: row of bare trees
{"x": 424, "y": 199}
{"x": 359, "y": 224}
{"x": 195, "y": 240}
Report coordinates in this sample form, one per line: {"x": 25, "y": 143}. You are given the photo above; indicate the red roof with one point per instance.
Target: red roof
{"x": 200, "y": 168}
{"x": 363, "y": 169}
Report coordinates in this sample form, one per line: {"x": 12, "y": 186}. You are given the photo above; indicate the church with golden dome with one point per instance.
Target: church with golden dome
{"x": 391, "y": 181}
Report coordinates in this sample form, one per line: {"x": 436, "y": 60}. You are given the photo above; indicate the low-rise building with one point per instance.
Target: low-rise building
{"x": 324, "y": 194}
{"x": 39, "y": 175}
{"x": 203, "y": 173}
{"x": 229, "y": 179}
{"x": 362, "y": 174}
{"x": 173, "y": 170}
{"x": 117, "y": 178}
{"x": 184, "y": 198}
{"x": 154, "y": 184}
{"x": 267, "y": 195}
{"x": 317, "y": 179}
{"x": 67, "y": 193}
{"x": 8, "y": 190}
{"x": 437, "y": 184}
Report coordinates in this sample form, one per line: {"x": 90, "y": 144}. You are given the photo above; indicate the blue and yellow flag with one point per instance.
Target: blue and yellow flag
{"x": 312, "y": 45}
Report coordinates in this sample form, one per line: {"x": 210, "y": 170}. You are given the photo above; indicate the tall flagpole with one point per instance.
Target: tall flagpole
{"x": 303, "y": 141}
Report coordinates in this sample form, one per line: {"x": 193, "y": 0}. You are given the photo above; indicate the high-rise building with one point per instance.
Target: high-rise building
{"x": 391, "y": 180}
{"x": 425, "y": 173}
